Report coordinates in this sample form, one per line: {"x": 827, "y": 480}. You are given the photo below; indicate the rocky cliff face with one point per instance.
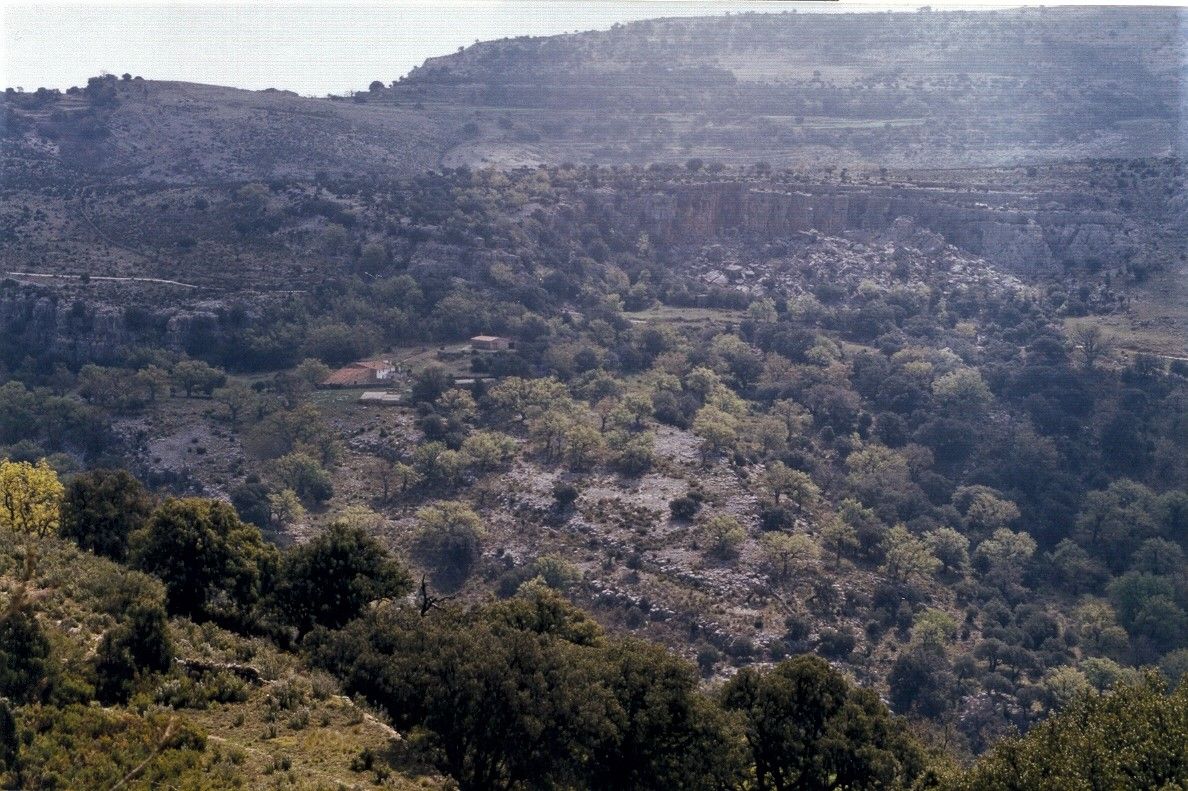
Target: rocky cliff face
{"x": 1014, "y": 234}
{"x": 91, "y": 330}
{"x": 73, "y": 330}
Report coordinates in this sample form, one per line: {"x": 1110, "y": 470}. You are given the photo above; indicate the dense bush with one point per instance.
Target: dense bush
{"x": 529, "y": 691}
{"x": 137, "y": 647}
{"x": 25, "y": 656}
{"x": 213, "y": 565}
{"x": 1133, "y": 737}
{"x": 807, "y": 727}
{"x": 102, "y": 508}
{"x": 329, "y": 580}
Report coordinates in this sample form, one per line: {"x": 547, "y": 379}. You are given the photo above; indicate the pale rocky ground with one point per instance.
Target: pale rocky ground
{"x": 640, "y": 570}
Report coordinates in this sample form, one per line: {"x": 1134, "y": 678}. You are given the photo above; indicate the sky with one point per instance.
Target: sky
{"x": 310, "y": 48}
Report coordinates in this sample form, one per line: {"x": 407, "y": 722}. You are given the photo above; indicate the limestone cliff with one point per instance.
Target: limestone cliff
{"x": 1016, "y": 233}
{"x": 74, "y": 330}
{"x": 79, "y": 329}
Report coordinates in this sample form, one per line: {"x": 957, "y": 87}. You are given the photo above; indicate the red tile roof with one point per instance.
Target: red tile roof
{"x": 345, "y": 377}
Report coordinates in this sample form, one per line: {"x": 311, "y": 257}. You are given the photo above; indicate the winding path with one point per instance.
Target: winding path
{"x": 106, "y": 277}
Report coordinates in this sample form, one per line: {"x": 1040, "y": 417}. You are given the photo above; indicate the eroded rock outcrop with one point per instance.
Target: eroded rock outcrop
{"x": 72, "y": 329}
{"x": 93, "y": 330}
{"x": 1016, "y": 234}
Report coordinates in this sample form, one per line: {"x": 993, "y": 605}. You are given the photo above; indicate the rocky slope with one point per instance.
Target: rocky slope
{"x": 899, "y": 89}
{"x": 173, "y": 132}
{"x": 857, "y": 90}
{"x": 1015, "y": 231}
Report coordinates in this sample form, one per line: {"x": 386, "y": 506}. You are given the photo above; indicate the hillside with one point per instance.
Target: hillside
{"x": 230, "y": 712}
{"x": 951, "y": 89}
{"x": 595, "y": 411}
{"x": 923, "y": 89}
{"x": 149, "y": 131}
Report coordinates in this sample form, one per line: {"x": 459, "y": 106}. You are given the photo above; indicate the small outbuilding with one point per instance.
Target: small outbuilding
{"x": 490, "y": 343}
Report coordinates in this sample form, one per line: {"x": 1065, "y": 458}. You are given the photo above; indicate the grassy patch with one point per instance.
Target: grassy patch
{"x": 267, "y": 720}
{"x": 667, "y": 313}
{"x": 1156, "y": 321}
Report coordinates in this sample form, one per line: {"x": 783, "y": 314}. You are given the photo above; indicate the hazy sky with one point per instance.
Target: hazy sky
{"x": 311, "y": 48}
